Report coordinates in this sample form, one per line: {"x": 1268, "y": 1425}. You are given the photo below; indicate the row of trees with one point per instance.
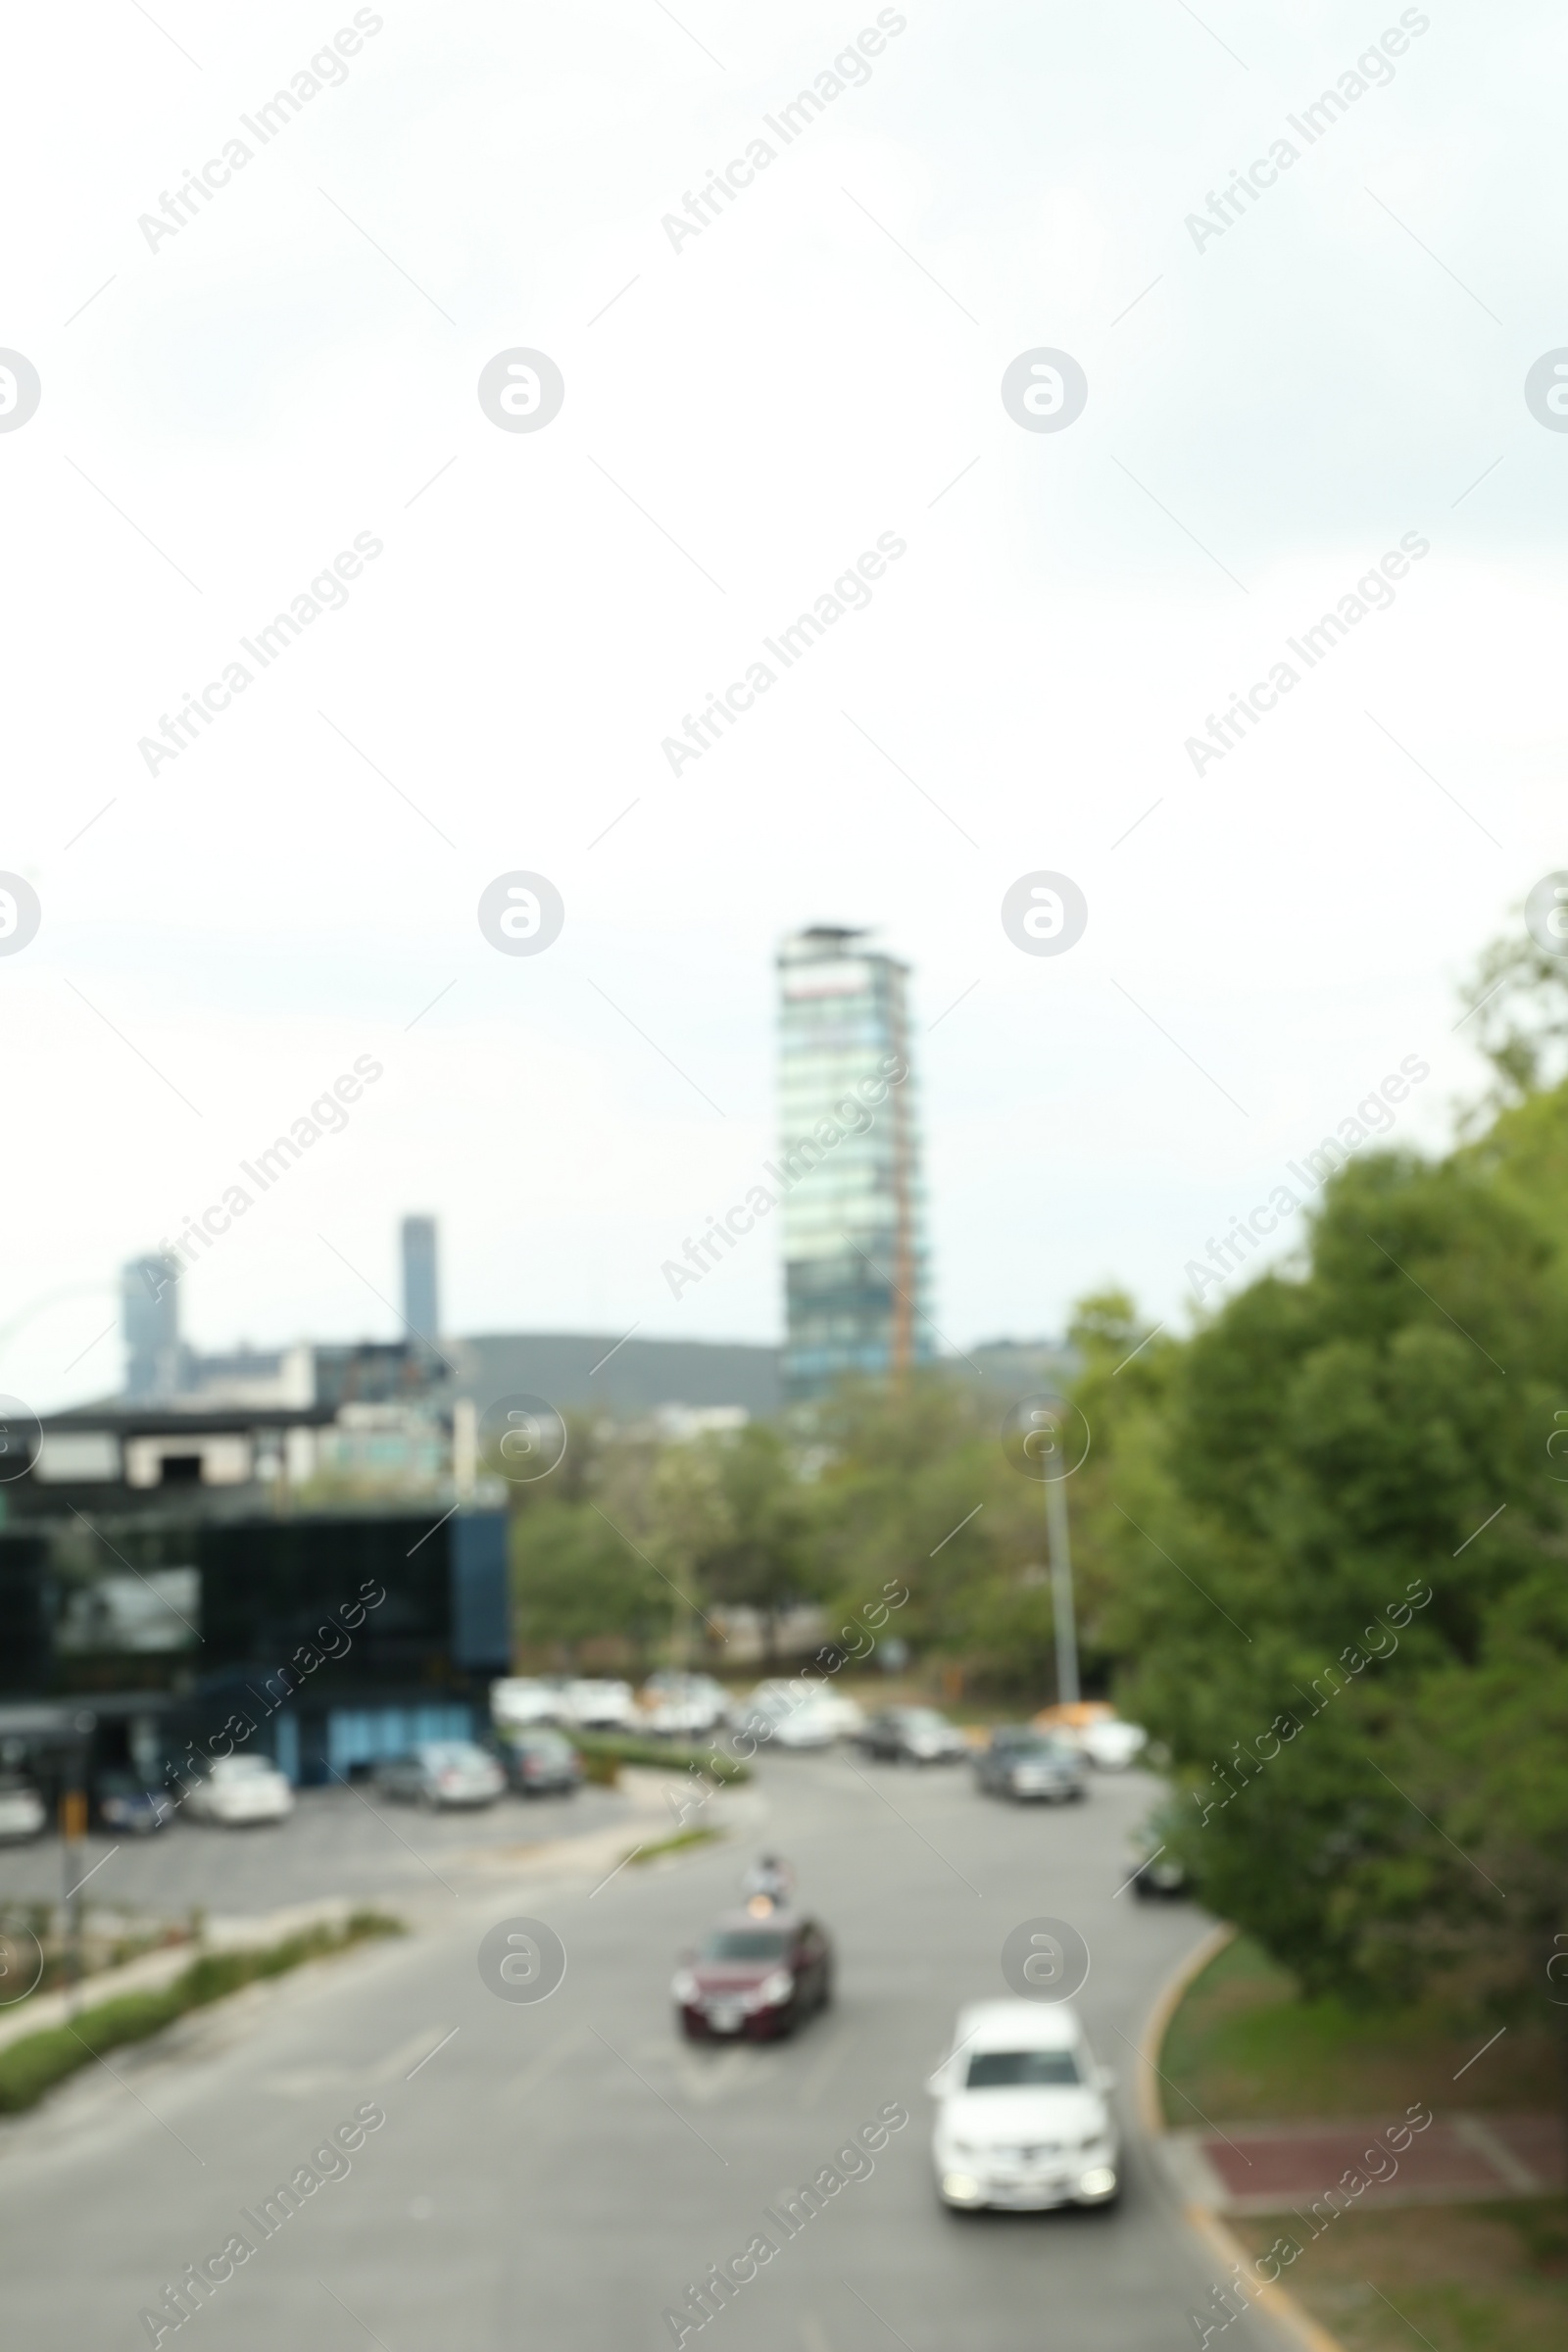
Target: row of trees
{"x": 1321, "y": 1545}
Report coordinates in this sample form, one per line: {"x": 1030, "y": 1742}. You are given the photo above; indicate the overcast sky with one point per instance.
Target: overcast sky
{"x": 1270, "y": 410}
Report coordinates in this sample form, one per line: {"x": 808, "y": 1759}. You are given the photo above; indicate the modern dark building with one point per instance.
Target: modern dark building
{"x": 335, "y": 1641}
{"x": 161, "y": 1574}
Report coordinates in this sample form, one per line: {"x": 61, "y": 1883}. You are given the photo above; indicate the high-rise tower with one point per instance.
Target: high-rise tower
{"x": 856, "y": 1274}
{"x": 422, "y": 1306}
{"x": 149, "y": 1314}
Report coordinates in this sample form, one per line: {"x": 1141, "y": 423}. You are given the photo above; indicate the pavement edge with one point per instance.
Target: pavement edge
{"x": 1280, "y": 2306}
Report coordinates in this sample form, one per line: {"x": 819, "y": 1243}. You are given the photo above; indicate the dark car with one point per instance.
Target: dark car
{"x": 1024, "y": 1763}
{"x": 753, "y": 1979}
{"x": 123, "y": 1801}
{"x": 913, "y": 1736}
{"x": 1159, "y": 1874}
{"x": 541, "y": 1763}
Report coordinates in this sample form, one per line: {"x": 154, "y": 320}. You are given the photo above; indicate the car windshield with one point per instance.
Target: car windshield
{"x": 550, "y": 1744}
{"x": 1029, "y": 1743}
{"x": 442, "y": 1754}
{"x": 922, "y": 1719}
{"x": 745, "y": 1943}
{"x": 1018, "y": 2070}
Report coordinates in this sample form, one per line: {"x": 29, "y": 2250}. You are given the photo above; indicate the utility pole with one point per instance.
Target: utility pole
{"x": 72, "y": 1832}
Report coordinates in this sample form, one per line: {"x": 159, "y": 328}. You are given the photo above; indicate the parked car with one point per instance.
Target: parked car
{"x": 442, "y": 1772}
{"x": 683, "y": 1706}
{"x": 599, "y": 1706}
{"x": 123, "y": 1800}
{"x": 235, "y": 1791}
{"x": 519, "y": 1701}
{"x": 1019, "y": 1761}
{"x": 753, "y": 1979}
{"x": 1159, "y": 1875}
{"x": 1022, "y": 2114}
{"x": 844, "y": 1714}
{"x": 788, "y": 1717}
{"x": 913, "y": 1735}
{"x": 541, "y": 1763}
{"x": 22, "y": 1813}
{"x": 1094, "y": 1727}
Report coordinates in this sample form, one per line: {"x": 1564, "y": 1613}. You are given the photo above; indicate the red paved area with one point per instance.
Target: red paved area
{"x": 1457, "y": 2157}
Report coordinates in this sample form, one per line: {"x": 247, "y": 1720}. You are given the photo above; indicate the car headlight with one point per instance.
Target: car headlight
{"x": 1097, "y": 2181}
{"x": 772, "y": 1991}
{"x": 963, "y": 2148}
{"x": 685, "y": 1988}
{"x": 963, "y": 2187}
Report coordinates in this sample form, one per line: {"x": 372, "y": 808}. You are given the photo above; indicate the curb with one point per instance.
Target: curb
{"x": 1282, "y": 2307}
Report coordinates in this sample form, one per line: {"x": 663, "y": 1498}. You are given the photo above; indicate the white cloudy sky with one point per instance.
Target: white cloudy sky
{"x": 292, "y": 368}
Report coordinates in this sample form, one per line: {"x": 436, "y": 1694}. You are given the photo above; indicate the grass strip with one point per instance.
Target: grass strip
{"x": 32, "y": 2065}
{"x": 673, "y": 1845}
{"x": 604, "y": 1752}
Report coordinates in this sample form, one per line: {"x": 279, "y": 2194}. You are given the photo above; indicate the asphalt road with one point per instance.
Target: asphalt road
{"x": 556, "y": 2173}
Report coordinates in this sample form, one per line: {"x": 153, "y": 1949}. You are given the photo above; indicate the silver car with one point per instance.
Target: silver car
{"x": 442, "y": 1772}
{"x": 1021, "y": 1762}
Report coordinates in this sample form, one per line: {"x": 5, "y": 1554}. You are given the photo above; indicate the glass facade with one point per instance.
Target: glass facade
{"x": 856, "y": 1274}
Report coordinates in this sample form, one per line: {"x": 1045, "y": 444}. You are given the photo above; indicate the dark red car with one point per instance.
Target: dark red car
{"x": 753, "y": 1979}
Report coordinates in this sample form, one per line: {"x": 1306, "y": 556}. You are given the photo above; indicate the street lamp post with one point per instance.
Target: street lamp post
{"x": 1062, "y": 1593}
{"x": 1037, "y": 1437}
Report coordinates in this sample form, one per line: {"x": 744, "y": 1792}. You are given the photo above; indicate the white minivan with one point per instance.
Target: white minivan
{"x": 1022, "y": 2115}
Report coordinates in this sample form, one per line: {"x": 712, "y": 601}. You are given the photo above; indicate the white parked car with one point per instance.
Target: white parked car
{"x": 1094, "y": 1727}
{"x": 237, "y": 1791}
{"x": 599, "y": 1706}
{"x": 845, "y": 1714}
{"x": 1115, "y": 1744}
{"x": 683, "y": 1706}
{"x": 21, "y": 1809}
{"x": 1022, "y": 2116}
{"x": 518, "y": 1702}
{"x": 786, "y": 1717}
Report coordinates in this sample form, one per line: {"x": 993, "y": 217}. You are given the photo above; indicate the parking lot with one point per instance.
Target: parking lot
{"x": 338, "y": 1842}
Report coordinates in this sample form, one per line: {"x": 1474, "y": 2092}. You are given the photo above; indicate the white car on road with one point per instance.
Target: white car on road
{"x": 1022, "y": 2116}
{"x": 237, "y": 1791}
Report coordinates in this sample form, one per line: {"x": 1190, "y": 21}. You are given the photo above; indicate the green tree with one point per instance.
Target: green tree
{"x": 1333, "y": 1449}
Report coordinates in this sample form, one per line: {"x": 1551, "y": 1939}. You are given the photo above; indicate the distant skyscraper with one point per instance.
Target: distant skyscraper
{"x": 149, "y": 1301}
{"x": 421, "y": 1309}
{"x": 855, "y": 1272}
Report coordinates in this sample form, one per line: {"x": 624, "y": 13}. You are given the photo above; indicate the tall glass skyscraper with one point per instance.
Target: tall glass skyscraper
{"x": 856, "y": 1274}
{"x": 421, "y": 1312}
